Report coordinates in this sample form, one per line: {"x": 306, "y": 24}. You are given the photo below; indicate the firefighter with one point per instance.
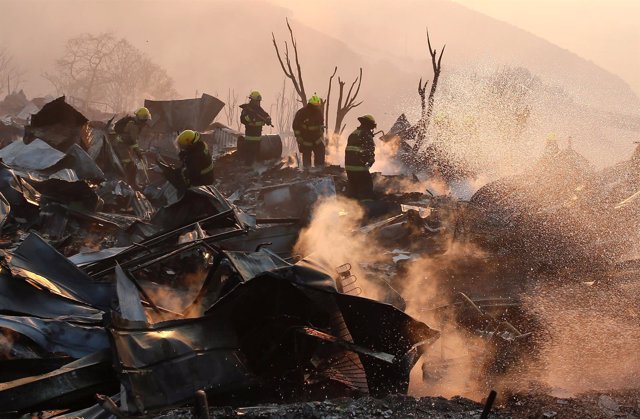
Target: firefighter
{"x": 253, "y": 117}
{"x": 551, "y": 150}
{"x": 127, "y": 132}
{"x": 197, "y": 165}
{"x": 308, "y": 125}
{"x": 359, "y": 156}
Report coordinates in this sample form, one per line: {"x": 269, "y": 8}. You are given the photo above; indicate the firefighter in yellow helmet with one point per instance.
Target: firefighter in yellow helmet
{"x": 308, "y": 127}
{"x": 359, "y": 156}
{"x": 197, "y": 165}
{"x": 127, "y": 133}
{"x": 253, "y": 117}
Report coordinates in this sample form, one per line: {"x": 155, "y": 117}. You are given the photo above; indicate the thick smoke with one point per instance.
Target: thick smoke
{"x": 333, "y": 238}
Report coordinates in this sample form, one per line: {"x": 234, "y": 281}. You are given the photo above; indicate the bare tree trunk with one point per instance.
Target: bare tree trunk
{"x": 349, "y": 102}
{"x": 327, "y": 101}
{"x": 231, "y": 110}
{"x": 296, "y": 79}
{"x": 422, "y": 91}
{"x": 100, "y": 55}
{"x": 334, "y": 140}
{"x": 426, "y": 119}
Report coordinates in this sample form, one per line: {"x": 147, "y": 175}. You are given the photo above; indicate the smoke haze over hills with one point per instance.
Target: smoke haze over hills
{"x": 213, "y": 46}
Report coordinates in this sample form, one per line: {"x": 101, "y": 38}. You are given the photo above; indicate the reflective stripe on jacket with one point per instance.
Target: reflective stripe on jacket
{"x": 196, "y": 162}
{"x": 308, "y": 125}
{"x": 359, "y": 154}
{"x": 253, "y": 118}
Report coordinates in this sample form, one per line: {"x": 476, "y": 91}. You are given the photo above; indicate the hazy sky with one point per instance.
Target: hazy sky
{"x": 214, "y": 46}
{"x": 606, "y": 32}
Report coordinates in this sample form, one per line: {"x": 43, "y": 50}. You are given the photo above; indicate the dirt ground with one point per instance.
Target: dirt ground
{"x": 624, "y": 404}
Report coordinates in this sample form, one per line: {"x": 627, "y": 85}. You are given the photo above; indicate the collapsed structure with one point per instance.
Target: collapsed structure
{"x": 171, "y": 292}
{"x": 143, "y": 298}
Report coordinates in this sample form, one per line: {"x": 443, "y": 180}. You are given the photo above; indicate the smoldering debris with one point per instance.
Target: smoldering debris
{"x": 257, "y": 325}
{"x": 262, "y": 287}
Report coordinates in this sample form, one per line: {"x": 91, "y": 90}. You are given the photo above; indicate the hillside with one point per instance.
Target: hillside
{"x": 205, "y": 50}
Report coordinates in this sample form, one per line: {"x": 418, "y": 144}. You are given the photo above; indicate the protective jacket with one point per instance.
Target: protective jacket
{"x": 253, "y": 117}
{"x": 359, "y": 155}
{"x": 127, "y": 131}
{"x": 308, "y": 125}
{"x": 197, "y": 166}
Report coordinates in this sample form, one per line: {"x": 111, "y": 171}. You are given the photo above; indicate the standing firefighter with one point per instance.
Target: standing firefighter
{"x": 253, "y": 117}
{"x": 127, "y": 132}
{"x": 308, "y": 126}
{"x": 197, "y": 166}
{"x": 359, "y": 156}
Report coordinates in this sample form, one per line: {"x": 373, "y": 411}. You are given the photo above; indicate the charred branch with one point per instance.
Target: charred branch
{"x": 230, "y": 110}
{"x": 287, "y": 68}
{"x": 346, "y": 103}
{"x": 422, "y": 91}
{"x": 436, "y": 64}
{"x": 327, "y": 101}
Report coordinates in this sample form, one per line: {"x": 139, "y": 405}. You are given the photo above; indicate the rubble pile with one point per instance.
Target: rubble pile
{"x": 146, "y": 298}
{"x": 119, "y": 300}
{"x": 534, "y": 405}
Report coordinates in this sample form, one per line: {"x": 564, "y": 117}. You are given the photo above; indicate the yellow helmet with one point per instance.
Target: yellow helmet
{"x": 315, "y": 100}
{"x": 143, "y": 114}
{"x": 255, "y": 95}
{"x": 368, "y": 120}
{"x": 187, "y": 137}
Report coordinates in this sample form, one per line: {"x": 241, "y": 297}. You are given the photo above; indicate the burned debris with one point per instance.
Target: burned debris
{"x": 145, "y": 296}
{"x": 126, "y": 296}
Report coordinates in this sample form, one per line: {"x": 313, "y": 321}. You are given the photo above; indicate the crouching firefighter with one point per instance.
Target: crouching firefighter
{"x": 197, "y": 165}
{"x": 359, "y": 156}
{"x": 253, "y": 117}
{"x": 308, "y": 127}
{"x": 127, "y": 133}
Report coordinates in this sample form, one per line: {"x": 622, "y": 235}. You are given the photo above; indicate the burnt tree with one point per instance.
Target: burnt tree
{"x": 345, "y": 104}
{"x": 293, "y": 71}
{"x": 287, "y": 68}
{"x": 423, "y": 124}
{"x": 231, "y": 110}
{"x": 11, "y": 76}
{"x": 283, "y": 112}
{"x": 327, "y": 100}
{"x": 109, "y": 72}
{"x": 422, "y": 91}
